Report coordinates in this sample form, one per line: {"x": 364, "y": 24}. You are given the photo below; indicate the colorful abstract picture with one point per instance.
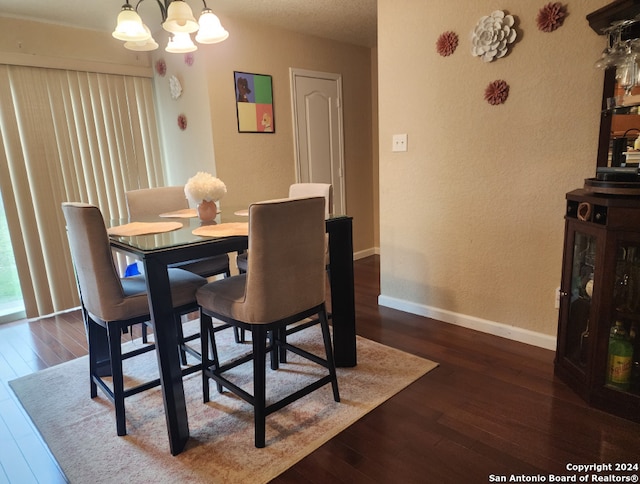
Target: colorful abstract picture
{"x": 254, "y": 103}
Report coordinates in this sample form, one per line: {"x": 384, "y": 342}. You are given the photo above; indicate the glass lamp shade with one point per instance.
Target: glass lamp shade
{"x": 130, "y": 27}
{"x": 211, "y": 30}
{"x": 180, "y": 43}
{"x": 143, "y": 45}
{"x": 180, "y": 18}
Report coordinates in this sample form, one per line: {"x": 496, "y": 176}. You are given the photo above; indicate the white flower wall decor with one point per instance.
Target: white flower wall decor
{"x": 492, "y": 36}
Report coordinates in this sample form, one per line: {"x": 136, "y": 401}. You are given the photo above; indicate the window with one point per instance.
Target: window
{"x": 68, "y": 136}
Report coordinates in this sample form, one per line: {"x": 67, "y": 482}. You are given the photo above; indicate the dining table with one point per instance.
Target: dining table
{"x": 158, "y": 251}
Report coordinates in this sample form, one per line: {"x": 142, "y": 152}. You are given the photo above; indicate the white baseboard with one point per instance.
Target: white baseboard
{"x": 366, "y": 253}
{"x": 485, "y": 326}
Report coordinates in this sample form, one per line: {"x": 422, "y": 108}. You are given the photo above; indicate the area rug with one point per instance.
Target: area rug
{"x": 81, "y": 431}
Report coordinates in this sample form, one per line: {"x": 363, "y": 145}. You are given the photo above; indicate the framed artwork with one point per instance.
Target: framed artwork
{"x": 254, "y": 103}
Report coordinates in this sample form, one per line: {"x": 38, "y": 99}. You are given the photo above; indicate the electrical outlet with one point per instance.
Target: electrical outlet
{"x": 557, "y": 303}
{"x": 399, "y": 142}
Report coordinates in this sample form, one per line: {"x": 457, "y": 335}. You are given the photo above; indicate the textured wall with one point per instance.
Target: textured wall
{"x": 261, "y": 166}
{"x": 471, "y": 217}
{"x": 56, "y": 46}
{"x": 254, "y": 166}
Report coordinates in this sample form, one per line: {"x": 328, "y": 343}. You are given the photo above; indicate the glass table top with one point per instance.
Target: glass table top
{"x": 174, "y": 238}
{"x": 182, "y": 236}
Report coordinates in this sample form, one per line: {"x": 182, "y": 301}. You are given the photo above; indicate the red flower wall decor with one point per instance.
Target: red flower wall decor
{"x": 496, "y": 92}
{"x": 182, "y": 122}
{"x": 447, "y": 43}
{"x": 161, "y": 67}
{"x": 551, "y": 16}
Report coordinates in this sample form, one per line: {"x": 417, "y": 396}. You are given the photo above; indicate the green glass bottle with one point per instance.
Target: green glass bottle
{"x": 620, "y": 358}
{"x": 634, "y": 337}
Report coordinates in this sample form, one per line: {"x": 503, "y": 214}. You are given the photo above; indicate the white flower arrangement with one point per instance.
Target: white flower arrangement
{"x": 492, "y": 36}
{"x": 204, "y": 186}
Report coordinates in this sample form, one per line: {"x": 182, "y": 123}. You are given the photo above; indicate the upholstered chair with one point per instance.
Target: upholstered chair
{"x": 150, "y": 202}
{"x": 297, "y": 190}
{"x": 301, "y": 190}
{"x": 284, "y": 284}
{"x": 145, "y": 203}
{"x": 111, "y": 305}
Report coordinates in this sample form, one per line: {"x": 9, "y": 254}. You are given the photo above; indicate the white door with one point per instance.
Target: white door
{"x": 318, "y": 136}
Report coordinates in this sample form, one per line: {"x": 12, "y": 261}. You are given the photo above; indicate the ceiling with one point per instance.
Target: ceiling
{"x": 352, "y": 21}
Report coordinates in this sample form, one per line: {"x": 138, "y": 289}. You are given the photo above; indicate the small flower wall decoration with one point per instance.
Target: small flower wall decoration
{"x": 551, "y": 16}
{"x": 447, "y": 43}
{"x": 492, "y": 36}
{"x": 161, "y": 67}
{"x": 496, "y": 92}
{"x": 175, "y": 87}
{"x": 182, "y": 122}
{"x": 188, "y": 58}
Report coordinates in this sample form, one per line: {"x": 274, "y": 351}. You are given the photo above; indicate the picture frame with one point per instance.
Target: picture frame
{"x": 254, "y": 102}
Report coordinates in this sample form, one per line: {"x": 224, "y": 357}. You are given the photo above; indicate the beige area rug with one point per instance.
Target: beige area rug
{"x": 81, "y": 431}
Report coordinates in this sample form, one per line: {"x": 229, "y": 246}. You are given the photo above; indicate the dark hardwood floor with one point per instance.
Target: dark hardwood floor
{"x": 492, "y": 408}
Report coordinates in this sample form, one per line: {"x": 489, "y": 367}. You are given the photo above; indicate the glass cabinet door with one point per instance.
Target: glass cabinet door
{"x": 623, "y": 365}
{"x": 598, "y": 343}
{"x": 581, "y": 292}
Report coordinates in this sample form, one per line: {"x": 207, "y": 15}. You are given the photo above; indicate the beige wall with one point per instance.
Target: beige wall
{"x": 48, "y": 45}
{"x": 261, "y": 166}
{"x": 185, "y": 152}
{"x": 254, "y": 166}
{"x": 376, "y": 152}
{"x": 471, "y": 217}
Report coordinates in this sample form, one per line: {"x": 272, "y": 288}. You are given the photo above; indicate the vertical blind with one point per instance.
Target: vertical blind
{"x": 68, "y": 136}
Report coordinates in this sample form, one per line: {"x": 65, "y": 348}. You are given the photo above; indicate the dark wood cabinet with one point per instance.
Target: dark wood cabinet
{"x": 600, "y": 285}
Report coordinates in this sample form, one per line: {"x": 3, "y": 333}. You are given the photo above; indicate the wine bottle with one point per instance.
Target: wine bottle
{"x": 620, "y": 357}
{"x": 634, "y": 338}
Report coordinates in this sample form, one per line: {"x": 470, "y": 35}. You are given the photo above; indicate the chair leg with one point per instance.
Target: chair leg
{"x": 324, "y": 325}
{"x": 115, "y": 352}
{"x": 239, "y": 335}
{"x": 282, "y": 353}
{"x": 274, "y": 338}
{"x": 205, "y": 325}
{"x": 214, "y": 352}
{"x": 259, "y": 336}
{"x": 183, "y": 353}
{"x": 145, "y": 338}
{"x": 208, "y": 347}
{"x": 93, "y": 358}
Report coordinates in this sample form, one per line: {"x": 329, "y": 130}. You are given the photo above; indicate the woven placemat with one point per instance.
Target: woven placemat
{"x": 223, "y": 230}
{"x": 184, "y": 213}
{"x": 143, "y": 228}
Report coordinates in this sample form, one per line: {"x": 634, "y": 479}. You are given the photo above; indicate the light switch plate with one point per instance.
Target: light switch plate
{"x": 399, "y": 142}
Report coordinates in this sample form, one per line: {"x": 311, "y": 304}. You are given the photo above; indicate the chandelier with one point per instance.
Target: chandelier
{"x": 177, "y": 19}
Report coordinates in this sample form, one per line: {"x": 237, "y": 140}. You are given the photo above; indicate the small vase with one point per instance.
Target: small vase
{"x": 207, "y": 210}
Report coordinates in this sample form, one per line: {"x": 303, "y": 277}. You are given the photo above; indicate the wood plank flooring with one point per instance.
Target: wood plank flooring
{"x": 492, "y": 407}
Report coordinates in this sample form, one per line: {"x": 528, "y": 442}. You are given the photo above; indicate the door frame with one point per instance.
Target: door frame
{"x": 294, "y": 73}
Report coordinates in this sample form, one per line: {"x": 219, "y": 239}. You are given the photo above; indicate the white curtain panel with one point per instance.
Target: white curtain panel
{"x": 68, "y": 136}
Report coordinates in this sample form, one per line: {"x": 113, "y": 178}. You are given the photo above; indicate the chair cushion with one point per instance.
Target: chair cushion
{"x": 135, "y": 303}
{"x": 184, "y": 285}
{"x": 224, "y": 296}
